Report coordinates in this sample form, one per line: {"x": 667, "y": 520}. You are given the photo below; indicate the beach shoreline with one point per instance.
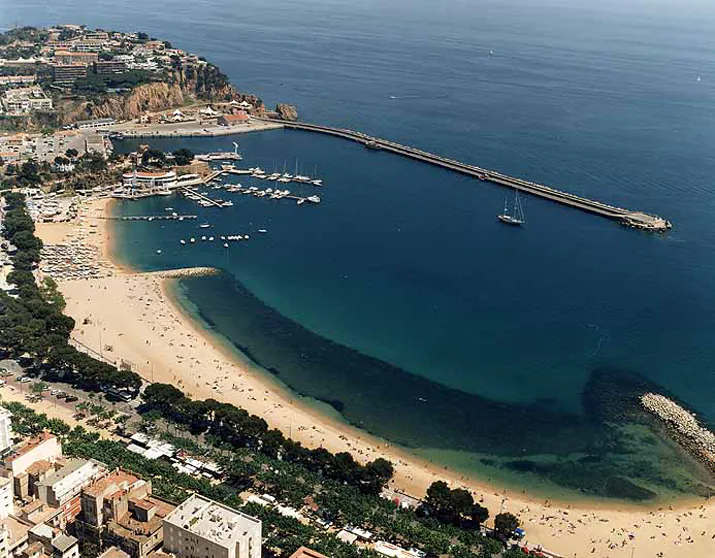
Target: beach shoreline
{"x": 140, "y": 318}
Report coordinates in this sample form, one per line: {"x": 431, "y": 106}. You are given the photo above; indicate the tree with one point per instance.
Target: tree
{"x": 38, "y": 387}
{"x": 71, "y": 153}
{"x": 29, "y": 173}
{"x": 153, "y": 157}
{"x": 479, "y": 514}
{"x": 506, "y": 523}
{"x": 183, "y": 156}
{"x": 438, "y": 495}
{"x": 462, "y": 501}
{"x": 93, "y": 162}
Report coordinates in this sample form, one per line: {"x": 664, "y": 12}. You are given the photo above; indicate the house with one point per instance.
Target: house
{"x": 65, "y": 546}
{"x": 235, "y": 119}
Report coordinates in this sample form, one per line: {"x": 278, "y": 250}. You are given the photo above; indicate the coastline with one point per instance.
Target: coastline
{"x": 138, "y": 315}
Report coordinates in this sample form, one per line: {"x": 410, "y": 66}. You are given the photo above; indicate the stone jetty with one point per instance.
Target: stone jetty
{"x": 688, "y": 431}
{"x": 184, "y": 272}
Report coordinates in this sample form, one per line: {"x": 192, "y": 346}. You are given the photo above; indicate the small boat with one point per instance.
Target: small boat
{"x": 192, "y": 240}
{"x": 317, "y": 182}
{"x": 313, "y": 199}
{"x": 517, "y": 217}
{"x": 211, "y": 238}
{"x": 223, "y": 238}
{"x": 158, "y": 251}
{"x": 203, "y": 238}
{"x": 182, "y": 241}
{"x": 301, "y": 201}
{"x": 246, "y": 237}
{"x": 262, "y": 231}
{"x": 204, "y": 225}
{"x": 168, "y": 209}
{"x": 225, "y": 245}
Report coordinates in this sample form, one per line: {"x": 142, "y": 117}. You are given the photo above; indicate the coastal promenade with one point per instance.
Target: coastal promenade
{"x": 635, "y": 219}
{"x": 188, "y": 129}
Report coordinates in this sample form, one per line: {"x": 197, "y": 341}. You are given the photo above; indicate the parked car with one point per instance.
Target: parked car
{"x": 71, "y": 399}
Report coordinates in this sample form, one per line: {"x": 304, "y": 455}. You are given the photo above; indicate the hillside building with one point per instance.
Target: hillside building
{"x": 24, "y": 100}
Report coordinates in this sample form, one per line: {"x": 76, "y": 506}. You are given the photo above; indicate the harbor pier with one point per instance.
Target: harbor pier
{"x": 635, "y": 219}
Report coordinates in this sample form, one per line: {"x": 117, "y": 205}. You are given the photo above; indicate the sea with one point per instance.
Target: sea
{"x": 513, "y": 355}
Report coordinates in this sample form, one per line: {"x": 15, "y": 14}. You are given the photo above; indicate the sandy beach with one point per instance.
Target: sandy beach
{"x": 130, "y": 317}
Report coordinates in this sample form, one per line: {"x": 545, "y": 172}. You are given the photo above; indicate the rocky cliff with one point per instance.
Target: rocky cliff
{"x": 178, "y": 88}
{"x": 287, "y": 112}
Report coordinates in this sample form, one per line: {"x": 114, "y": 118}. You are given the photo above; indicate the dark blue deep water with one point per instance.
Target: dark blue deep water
{"x": 400, "y": 301}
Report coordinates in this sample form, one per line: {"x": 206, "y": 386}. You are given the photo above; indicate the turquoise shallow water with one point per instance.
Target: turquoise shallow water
{"x": 401, "y": 286}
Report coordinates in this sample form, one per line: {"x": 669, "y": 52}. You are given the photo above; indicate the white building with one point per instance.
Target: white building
{"x": 59, "y": 488}
{"x": 4, "y": 541}
{"x": 146, "y": 180}
{"x": 5, "y": 429}
{"x": 18, "y": 102}
{"x": 6, "y": 508}
{"x": 45, "y": 447}
{"x": 393, "y": 551}
{"x": 202, "y": 528}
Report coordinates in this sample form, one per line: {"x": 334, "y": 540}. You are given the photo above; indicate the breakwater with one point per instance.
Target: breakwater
{"x": 686, "y": 428}
{"x": 630, "y": 218}
{"x": 184, "y": 272}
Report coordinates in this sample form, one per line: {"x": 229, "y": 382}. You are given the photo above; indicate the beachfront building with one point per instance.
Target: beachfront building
{"x": 202, "y": 528}
{"x": 146, "y": 182}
